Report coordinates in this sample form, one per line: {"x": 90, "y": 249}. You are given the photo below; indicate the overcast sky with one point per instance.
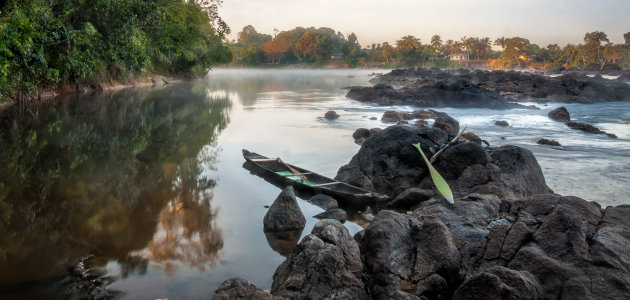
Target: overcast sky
{"x": 375, "y": 21}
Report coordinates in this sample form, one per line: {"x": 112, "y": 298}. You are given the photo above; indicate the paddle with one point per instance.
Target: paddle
{"x": 294, "y": 171}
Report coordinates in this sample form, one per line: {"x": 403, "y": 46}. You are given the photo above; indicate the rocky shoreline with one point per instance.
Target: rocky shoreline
{"x": 464, "y": 88}
{"x": 508, "y": 236}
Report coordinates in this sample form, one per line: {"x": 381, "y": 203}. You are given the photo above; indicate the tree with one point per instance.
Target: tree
{"x": 595, "y": 39}
{"x": 482, "y": 46}
{"x": 250, "y": 37}
{"x": 626, "y": 38}
{"x": 436, "y": 42}
{"x": 613, "y": 52}
{"x": 515, "y": 53}
{"x": 500, "y": 42}
{"x": 275, "y": 49}
{"x": 388, "y": 51}
{"x": 408, "y": 49}
{"x": 570, "y": 52}
{"x": 313, "y": 46}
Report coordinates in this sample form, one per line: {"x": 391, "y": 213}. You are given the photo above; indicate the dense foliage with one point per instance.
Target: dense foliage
{"x": 46, "y": 43}
{"x": 324, "y": 46}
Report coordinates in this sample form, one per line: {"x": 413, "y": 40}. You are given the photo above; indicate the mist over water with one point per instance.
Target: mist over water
{"x": 151, "y": 181}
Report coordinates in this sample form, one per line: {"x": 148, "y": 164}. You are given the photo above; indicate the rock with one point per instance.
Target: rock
{"x": 548, "y": 142}
{"x": 471, "y": 137}
{"x": 560, "y": 114}
{"x": 448, "y": 124}
{"x": 588, "y": 128}
{"x": 410, "y": 197}
{"x": 593, "y": 67}
{"x": 521, "y": 174}
{"x": 391, "y": 116}
{"x": 611, "y": 67}
{"x": 283, "y": 242}
{"x": 333, "y": 214}
{"x": 325, "y": 265}
{"x": 361, "y": 133}
{"x": 331, "y": 115}
{"x": 495, "y": 241}
{"x": 624, "y": 78}
{"x": 388, "y": 163}
{"x": 452, "y": 162}
{"x": 500, "y": 283}
{"x": 324, "y": 201}
{"x": 284, "y": 214}
{"x": 501, "y": 123}
{"x": 238, "y": 288}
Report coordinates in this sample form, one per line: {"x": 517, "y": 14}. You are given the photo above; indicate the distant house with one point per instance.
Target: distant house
{"x": 336, "y": 56}
{"x": 459, "y": 57}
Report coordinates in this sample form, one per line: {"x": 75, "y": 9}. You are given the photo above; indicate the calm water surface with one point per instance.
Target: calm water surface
{"x": 150, "y": 182}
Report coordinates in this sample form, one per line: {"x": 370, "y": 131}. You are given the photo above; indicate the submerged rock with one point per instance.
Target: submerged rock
{"x": 501, "y": 123}
{"x": 588, "y": 128}
{"x": 548, "y": 142}
{"x": 284, "y": 214}
{"x": 331, "y": 115}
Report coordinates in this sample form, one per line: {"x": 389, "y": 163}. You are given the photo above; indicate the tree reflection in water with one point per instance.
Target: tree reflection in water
{"x": 100, "y": 175}
{"x": 187, "y": 231}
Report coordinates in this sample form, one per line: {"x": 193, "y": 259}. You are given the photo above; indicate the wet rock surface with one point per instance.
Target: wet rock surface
{"x": 487, "y": 89}
{"x": 331, "y": 115}
{"x": 548, "y": 142}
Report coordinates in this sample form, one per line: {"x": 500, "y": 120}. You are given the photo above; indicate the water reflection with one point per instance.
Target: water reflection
{"x": 125, "y": 177}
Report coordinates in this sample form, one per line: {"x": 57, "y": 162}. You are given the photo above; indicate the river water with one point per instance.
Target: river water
{"x": 149, "y": 184}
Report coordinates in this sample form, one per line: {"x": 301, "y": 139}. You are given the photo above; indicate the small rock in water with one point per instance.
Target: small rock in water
{"x": 266, "y": 206}
{"x": 501, "y": 123}
{"x": 548, "y": 142}
{"x": 560, "y": 114}
{"x": 284, "y": 213}
{"x": 331, "y": 115}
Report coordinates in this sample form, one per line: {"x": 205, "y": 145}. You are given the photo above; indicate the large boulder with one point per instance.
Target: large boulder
{"x": 284, "y": 214}
{"x": 388, "y": 163}
{"x": 325, "y": 265}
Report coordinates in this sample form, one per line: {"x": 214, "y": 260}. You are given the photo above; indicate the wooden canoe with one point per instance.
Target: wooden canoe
{"x": 308, "y": 182}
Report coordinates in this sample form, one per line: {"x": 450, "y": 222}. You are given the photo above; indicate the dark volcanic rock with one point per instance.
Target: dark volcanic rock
{"x": 500, "y": 283}
{"x": 331, "y": 115}
{"x": 238, "y": 288}
{"x": 501, "y": 123}
{"x": 388, "y": 163}
{"x": 324, "y": 201}
{"x": 410, "y": 197}
{"x": 361, "y": 133}
{"x": 524, "y": 176}
{"x": 611, "y": 67}
{"x": 588, "y": 128}
{"x": 560, "y": 114}
{"x": 455, "y": 159}
{"x": 333, "y": 214}
{"x": 448, "y": 124}
{"x": 325, "y": 265}
{"x": 593, "y": 67}
{"x": 548, "y": 142}
{"x": 284, "y": 213}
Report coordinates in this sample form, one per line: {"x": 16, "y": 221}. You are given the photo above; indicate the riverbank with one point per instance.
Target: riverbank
{"x": 507, "y": 235}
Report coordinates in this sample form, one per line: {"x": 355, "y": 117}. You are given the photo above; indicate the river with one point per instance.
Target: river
{"x": 147, "y": 185}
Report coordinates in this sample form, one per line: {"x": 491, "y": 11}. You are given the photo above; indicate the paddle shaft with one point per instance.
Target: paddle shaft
{"x": 294, "y": 171}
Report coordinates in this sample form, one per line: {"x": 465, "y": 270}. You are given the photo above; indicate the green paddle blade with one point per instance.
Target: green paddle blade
{"x": 439, "y": 182}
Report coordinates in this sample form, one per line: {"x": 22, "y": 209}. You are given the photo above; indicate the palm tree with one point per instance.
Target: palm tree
{"x": 500, "y": 42}
{"x": 596, "y": 38}
{"x": 436, "y": 41}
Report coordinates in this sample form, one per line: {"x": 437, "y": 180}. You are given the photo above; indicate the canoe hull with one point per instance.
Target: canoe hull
{"x": 308, "y": 183}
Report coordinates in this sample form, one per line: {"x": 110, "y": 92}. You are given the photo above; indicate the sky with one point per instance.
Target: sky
{"x": 375, "y": 21}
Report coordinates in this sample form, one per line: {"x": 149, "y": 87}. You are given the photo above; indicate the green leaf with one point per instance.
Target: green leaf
{"x": 439, "y": 182}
